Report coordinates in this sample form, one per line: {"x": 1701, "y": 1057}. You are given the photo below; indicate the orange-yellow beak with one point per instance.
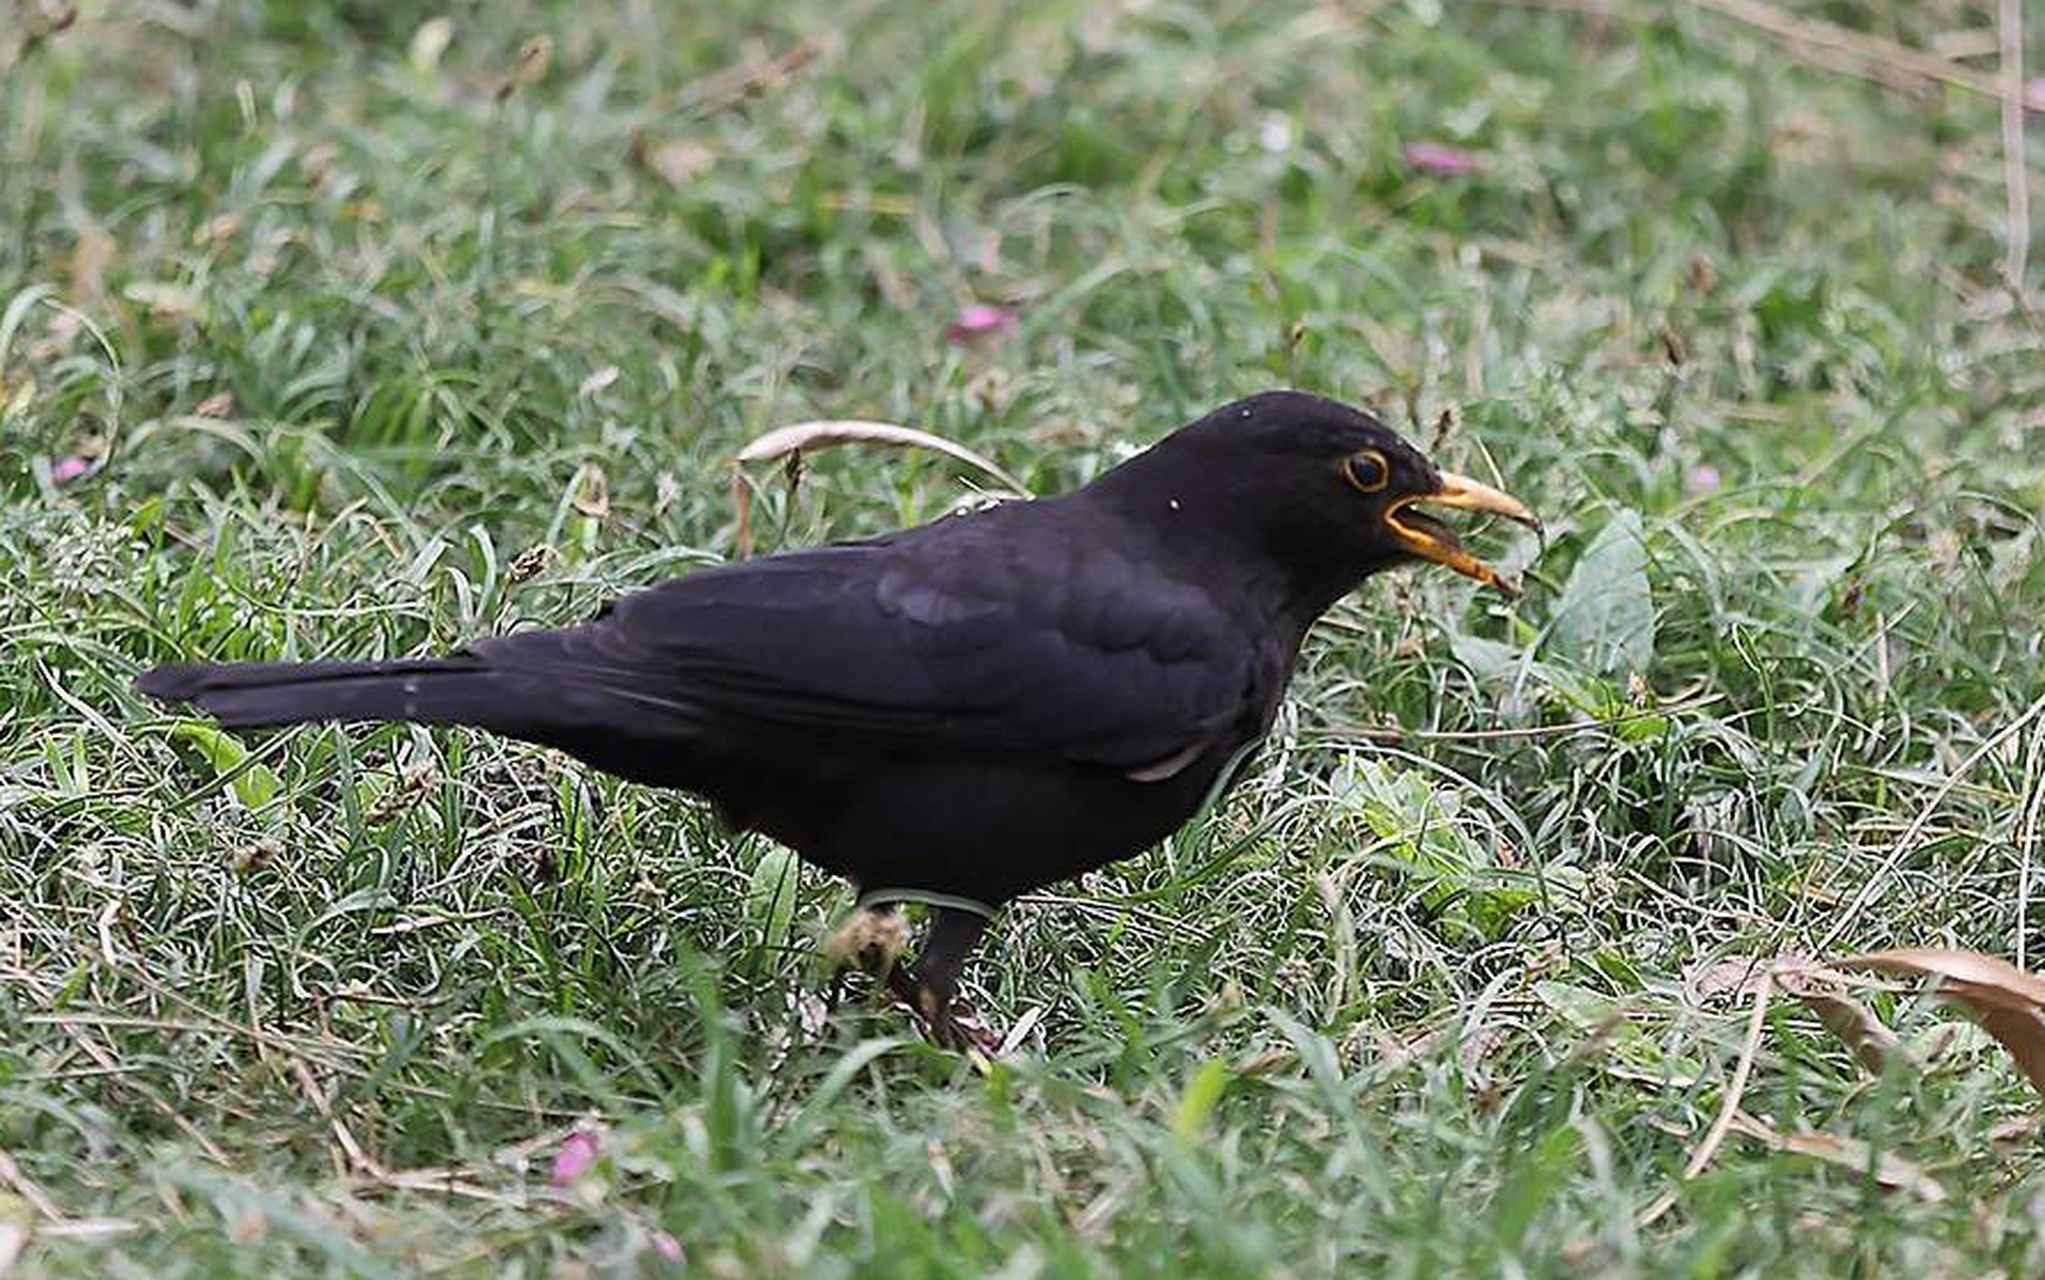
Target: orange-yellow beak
{"x": 1424, "y": 536}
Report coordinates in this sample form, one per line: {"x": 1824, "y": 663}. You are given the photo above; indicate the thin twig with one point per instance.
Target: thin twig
{"x": 2027, "y": 842}
{"x": 1729, "y": 1105}
{"x": 103, "y": 1058}
{"x": 1816, "y": 33}
{"x": 28, "y": 1188}
{"x": 2009, "y": 30}
{"x": 735, "y": 84}
{"x": 355, "y": 1159}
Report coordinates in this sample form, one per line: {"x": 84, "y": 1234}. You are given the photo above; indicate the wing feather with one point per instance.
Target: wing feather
{"x": 958, "y": 635}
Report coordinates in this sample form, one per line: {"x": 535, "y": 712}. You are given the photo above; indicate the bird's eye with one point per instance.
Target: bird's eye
{"x": 1367, "y": 471}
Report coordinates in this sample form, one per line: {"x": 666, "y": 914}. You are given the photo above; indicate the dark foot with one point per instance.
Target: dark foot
{"x": 949, "y": 1019}
{"x": 873, "y": 941}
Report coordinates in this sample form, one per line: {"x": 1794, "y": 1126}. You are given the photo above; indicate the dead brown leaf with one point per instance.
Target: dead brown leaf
{"x": 2007, "y": 1000}
{"x": 2000, "y": 982}
{"x": 533, "y": 57}
{"x": 591, "y": 492}
{"x": 2016, "y": 1129}
{"x": 1825, "y": 994}
{"x": 93, "y": 253}
{"x": 676, "y": 162}
{"x": 2022, "y": 1033}
{"x": 1888, "y": 1169}
{"x": 1725, "y": 979}
{"x": 1263, "y": 1060}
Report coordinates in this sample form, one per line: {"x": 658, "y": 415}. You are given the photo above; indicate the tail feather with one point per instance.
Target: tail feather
{"x": 457, "y": 690}
{"x": 599, "y": 716}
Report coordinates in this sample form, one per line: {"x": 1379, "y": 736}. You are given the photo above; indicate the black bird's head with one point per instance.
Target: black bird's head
{"x": 1323, "y": 490}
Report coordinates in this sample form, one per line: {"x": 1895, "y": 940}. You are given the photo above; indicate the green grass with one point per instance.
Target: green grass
{"x": 348, "y": 328}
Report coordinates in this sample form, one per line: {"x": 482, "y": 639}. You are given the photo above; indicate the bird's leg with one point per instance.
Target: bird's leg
{"x": 930, "y": 986}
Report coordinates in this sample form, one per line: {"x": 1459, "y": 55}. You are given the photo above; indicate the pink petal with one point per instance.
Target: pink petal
{"x": 2034, "y": 94}
{"x": 979, "y": 322}
{"x": 1703, "y": 478}
{"x": 578, "y": 1152}
{"x": 65, "y": 470}
{"x": 1441, "y": 158}
{"x": 667, "y": 1247}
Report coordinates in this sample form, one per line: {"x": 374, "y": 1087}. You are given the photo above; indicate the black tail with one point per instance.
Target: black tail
{"x": 457, "y": 690}
{"x": 601, "y": 715}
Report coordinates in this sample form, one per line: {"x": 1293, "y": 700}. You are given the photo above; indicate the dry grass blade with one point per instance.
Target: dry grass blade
{"x": 1729, "y": 1107}
{"x": 2007, "y": 1000}
{"x": 1887, "y": 1168}
{"x": 791, "y": 442}
{"x": 808, "y": 437}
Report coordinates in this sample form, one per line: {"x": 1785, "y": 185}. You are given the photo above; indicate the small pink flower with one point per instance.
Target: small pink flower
{"x": 980, "y": 322}
{"x": 578, "y": 1152}
{"x": 65, "y": 470}
{"x": 667, "y": 1247}
{"x": 2034, "y": 94}
{"x": 1442, "y": 159}
{"x": 1702, "y": 478}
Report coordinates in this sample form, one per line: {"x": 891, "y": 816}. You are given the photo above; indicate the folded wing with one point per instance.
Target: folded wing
{"x": 949, "y": 637}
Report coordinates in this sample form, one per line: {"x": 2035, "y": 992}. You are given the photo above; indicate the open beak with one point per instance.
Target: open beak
{"x": 1424, "y": 536}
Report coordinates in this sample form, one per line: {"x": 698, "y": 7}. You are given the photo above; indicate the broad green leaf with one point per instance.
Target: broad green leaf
{"x": 770, "y": 898}
{"x": 69, "y": 775}
{"x": 1488, "y": 659}
{"x": 1461, "y": 880}
{"x": 1604, "y": 621}
{"x": 15, "y": 400}
{"x": 1631, "y": 1051}
{"x": 1202, "y": 1096}
{"x": 254, "y": 786}
{"x": 1537, "y": 1175}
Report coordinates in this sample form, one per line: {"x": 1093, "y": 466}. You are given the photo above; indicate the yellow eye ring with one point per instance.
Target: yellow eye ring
{"x": 1368, "y": 471}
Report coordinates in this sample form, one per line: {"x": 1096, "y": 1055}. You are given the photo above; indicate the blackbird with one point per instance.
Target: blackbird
{"x": 967, "y": 710}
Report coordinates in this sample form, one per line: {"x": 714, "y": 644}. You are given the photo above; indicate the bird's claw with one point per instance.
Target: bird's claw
{"x": 873, "y": 942}
{"x": 956, "y": 1026}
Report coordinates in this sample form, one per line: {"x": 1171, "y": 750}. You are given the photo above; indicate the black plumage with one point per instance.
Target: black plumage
{"x": 975, "y": 707}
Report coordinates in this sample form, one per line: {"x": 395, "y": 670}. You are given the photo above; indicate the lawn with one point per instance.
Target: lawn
{"x": 370, "y": 328}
